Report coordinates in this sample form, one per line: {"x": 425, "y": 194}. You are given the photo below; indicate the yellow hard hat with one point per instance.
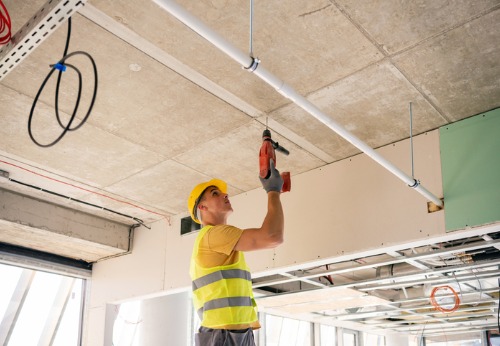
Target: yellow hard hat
{"x": 198, "y": 190}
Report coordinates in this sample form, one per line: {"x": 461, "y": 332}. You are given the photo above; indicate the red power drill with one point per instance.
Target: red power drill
{"x": 266, "y": 153}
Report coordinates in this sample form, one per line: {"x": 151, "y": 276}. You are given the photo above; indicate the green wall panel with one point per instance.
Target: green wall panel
{"x": 470, "y": 163}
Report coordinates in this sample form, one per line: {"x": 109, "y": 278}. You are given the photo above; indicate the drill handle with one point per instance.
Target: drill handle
{"x": 279, "y": 148}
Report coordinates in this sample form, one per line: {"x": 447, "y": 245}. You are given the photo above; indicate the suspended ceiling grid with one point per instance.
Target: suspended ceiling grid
{"x": 390, "y": 291}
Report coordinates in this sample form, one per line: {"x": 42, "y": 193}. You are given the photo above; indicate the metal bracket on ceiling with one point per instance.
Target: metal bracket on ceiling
{"x": 43, "y": 23}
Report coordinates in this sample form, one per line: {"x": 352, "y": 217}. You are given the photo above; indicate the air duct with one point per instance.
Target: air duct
{"x": 253, "y": 65}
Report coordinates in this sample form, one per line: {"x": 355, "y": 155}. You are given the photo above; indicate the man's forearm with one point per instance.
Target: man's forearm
{"x": 274, "y": 222}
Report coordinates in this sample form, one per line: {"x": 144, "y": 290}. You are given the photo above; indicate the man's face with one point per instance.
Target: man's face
{"x": 215, "y": 201}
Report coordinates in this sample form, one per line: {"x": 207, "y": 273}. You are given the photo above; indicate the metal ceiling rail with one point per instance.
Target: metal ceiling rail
{"x": 395, "y": 312}
{"x": 400, "y": 279}
{"x": 253, "y": 65}
{"x": 466, "y": 329}
{"x": 403, "y": 259}
{"x": 454, "y": 326}
{"x": 420, "y": 317}
{"x": 474, "y": 277}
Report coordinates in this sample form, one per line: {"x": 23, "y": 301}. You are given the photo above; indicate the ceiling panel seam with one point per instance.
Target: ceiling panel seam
{"x": 129, "y": 36}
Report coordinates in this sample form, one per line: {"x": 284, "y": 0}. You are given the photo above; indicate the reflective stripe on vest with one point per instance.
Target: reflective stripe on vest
{"x": 219, "y": 275}
{"x": 225, "y": 303}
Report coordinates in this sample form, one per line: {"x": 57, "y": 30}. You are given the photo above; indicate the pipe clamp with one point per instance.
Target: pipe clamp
{"x": 253, "y": 66}
{"x": 415, "y": 184}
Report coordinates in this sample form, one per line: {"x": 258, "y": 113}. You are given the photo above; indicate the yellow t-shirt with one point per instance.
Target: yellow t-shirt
{"x": 217, "y": 249}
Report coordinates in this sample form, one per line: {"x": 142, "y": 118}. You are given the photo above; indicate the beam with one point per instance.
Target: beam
{"x": 47, "y": 227}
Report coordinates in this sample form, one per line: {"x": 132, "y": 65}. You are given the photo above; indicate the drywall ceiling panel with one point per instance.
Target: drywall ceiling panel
{"x": 327, "y": 294}
{"x": 319, "y": 306}
{"x": 350, "y": 206}
{"x": 319, "y": 300}
{"x": 471, "y": 167}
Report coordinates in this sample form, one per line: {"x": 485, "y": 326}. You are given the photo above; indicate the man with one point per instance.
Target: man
{"x": 222, "y": 285}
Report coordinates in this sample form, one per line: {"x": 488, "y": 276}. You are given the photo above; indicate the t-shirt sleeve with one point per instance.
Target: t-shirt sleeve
{"x": 223, "y": 238}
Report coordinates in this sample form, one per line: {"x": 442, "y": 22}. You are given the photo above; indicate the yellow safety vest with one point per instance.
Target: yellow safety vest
{"x": 222, "y": 295}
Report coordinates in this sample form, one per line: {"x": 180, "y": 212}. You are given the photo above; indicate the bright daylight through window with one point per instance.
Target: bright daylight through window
{"x": 39, "y": 308}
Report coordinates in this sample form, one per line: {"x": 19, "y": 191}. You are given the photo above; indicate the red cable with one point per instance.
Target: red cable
{"x": 81, "y": 188}
{"x": 439, "y": 307}
{"x": 5, "y": 25}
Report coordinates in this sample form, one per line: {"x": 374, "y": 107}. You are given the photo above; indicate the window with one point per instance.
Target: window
{"x": 350, "y": 337}
{"x": 373, "y": 340}
{"x": 327, "y": 335}
{"x": 281, "y": 331}
{"x": 39, "y": 308}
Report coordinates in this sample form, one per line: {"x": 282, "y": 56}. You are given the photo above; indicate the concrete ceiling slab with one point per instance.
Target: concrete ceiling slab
{"x": 399, "y": 25}
{"x": 237, "y": 147}
{"x": 169, "y": 104}
{"x": 162, "y": 185}
{"x": 459, "y": 70}
{"x": 373, "y": 104}
{"x": 94, "y": 156}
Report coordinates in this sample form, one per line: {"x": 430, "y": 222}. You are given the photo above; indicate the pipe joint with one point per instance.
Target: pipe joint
{"x": 416, "y": 183}
{"x": 253, "y": 66}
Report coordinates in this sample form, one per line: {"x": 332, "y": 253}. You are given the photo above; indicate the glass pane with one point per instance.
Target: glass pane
{"x": 349, "y": 339}
{"x": 304, "y": 334}
{"x": 35, "y": 309}
{"x": 126, "y": 323}
{"x": 273, "y": 330}
{"x": 10, "y": 276}
{"x": 69, "y": 330}
{"x": 51, "y": 309}
{"x": 456, "y": 339}
{"x": 287, "y": 332}
{"x": 327, "y": 335}
{"x": 373, "y": 340}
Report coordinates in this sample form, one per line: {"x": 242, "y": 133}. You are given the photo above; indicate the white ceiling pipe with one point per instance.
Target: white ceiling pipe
{"x": 253, "y": 65}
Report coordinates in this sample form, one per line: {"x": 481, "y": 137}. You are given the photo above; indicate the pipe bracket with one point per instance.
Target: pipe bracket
{"x": 415, "y": 184}
{"x": 253, "y": 66}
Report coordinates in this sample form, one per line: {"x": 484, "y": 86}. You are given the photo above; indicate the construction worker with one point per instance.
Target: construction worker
{"x": 222, "y": 285}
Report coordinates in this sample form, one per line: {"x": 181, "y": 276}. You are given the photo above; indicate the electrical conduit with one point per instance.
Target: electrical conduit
{"x": 253, "y": 66}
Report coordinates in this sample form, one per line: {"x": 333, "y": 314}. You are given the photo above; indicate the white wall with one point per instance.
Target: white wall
{"x": 341, "y": 209}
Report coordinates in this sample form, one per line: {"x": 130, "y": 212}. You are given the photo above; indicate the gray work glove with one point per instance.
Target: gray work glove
{"x": 274, "y": 182}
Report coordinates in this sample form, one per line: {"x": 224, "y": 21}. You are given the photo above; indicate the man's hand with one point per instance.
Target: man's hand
{"x": 274, "y": 182}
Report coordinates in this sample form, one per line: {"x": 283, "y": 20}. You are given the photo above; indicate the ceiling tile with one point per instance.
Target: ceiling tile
{"x": 402, "y": 24}
{"x": 90, "y": 155}
{"x": 459, "y": 71}
{"x": 373, "y": 104}
{"x": 241, "y": 148}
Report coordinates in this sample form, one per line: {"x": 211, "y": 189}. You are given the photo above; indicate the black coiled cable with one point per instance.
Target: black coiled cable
{"x": 61, "y": 67}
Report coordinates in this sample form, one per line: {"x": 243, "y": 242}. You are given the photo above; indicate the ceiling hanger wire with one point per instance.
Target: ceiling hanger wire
{"x": 411, "y": 142}
{"x": 251, "y": 28}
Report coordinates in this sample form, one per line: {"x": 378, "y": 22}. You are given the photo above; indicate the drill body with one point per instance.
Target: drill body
{"x": 267, "y": 152}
